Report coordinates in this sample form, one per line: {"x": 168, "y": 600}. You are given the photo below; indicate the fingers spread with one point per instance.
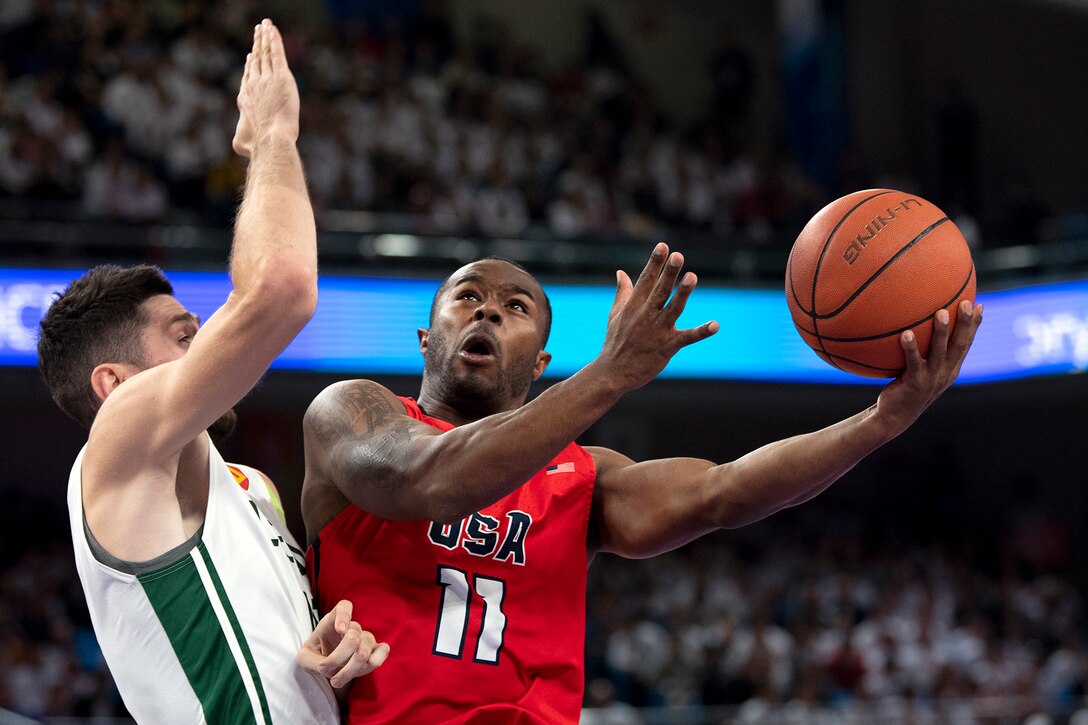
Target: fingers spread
{"x": 679, "y": 301}
{"x": 695, "y": 334}
{"x": 666, "y": 281}
{"x": 623, "y": 292}
{"x": 652, "y": 271}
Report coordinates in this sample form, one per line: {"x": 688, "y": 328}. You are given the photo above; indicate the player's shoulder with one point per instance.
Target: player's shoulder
{"x": 606, "y": 459}
{"x": 257, "y": 484}
{"x": 126, "y": 439}
{"x": 351, "y": 402}
{"x": 125, "y": 409}
{"x": 356, "y": 391}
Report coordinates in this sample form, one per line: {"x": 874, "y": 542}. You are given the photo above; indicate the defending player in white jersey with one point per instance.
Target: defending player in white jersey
{"x": 196, "y": 589}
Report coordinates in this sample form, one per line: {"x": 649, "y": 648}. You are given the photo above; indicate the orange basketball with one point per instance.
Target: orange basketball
{"x": 868, "y": 266}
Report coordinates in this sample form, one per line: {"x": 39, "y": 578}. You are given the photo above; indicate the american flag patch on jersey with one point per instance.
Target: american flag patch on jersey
{"x": 567, "y": 467}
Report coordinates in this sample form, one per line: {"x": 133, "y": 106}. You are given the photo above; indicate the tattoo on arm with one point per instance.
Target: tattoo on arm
{"x": 358, "y": 408}
{"x": 361, "y": 432}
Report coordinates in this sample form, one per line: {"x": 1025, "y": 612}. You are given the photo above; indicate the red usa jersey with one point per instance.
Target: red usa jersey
{"x": 485, "y": 618}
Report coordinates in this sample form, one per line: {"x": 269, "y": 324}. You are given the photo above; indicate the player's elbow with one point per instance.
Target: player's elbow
{"x": 396, "y": 489}
{"x": 446, "y": 514}
{"x": 444, "y": 506}
{"x": 292, "y": 290}
{"x": 447, "y": 495}
{"x": 448, "y": 485}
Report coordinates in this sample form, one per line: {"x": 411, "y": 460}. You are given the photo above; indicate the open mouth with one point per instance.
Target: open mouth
{"x": 478, "y": 349}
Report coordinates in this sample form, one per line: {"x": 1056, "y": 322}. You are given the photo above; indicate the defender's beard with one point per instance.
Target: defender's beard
{"x": 223, "y": 426}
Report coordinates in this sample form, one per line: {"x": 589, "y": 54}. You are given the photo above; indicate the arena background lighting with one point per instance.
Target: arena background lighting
{"x": 367, "y": 326}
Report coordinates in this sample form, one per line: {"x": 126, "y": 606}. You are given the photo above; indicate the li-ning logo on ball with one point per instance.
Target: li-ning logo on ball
{"x": 853, "y": 251}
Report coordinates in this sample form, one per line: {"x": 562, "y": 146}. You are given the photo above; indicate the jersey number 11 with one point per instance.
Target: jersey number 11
{"x": 453, "y": 614}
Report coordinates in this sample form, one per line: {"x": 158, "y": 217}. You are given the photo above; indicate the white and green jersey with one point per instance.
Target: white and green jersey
{"x": 208, "y": 632}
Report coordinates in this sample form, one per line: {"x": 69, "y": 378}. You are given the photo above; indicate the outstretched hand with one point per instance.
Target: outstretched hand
{"x": 924, "y": 379}
{"x": 642, "y": 335}
{"x": 340, "y": 649}
{"x": 268, "y": 101}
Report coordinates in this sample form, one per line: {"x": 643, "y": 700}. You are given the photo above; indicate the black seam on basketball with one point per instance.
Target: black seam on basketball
{"x": 793, "y": 292}
{"x": 830, "y": 357}
{"x": 816, "y": 272}
{"x": 859, "y": 364}
{"x": 925, "y": 232}
{"x": 970, "y": 274}
{"x": 827, "y": 243}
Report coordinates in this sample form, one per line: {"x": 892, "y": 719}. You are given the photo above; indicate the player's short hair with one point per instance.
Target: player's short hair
{"x": 546, "y": 304}
{"x": 97, "y": 319}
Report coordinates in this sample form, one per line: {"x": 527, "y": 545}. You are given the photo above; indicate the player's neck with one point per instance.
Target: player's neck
{"x": 458, "y": 412}
{"x": 435, "y": 407}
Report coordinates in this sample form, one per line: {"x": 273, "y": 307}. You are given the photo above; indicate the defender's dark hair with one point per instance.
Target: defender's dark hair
{"x": 546, "y": 305}
{"x": 97, "y": 319}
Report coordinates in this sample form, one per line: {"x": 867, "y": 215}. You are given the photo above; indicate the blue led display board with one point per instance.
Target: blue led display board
{"x": 367, "y": 326}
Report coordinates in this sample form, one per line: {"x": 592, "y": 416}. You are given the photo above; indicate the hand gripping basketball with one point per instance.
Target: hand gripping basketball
{"x": 870, "y": 266}
{"x": 925, "y": 378}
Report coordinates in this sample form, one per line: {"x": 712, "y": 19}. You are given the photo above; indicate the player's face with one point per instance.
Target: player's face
{"x": 484, "y": 346}
{"x": 169, "y": 332}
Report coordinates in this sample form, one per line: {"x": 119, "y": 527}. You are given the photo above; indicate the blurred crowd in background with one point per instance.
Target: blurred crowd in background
{"x": 781, "y": 614}
{"x": 803, "y": 621}
{"x": 125, "y": 110}
{"x": 130, "y": 112}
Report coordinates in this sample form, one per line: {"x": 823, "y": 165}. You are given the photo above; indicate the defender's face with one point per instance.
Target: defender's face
{"x": 484, "y": 345}
{"x": 169, "y": 331}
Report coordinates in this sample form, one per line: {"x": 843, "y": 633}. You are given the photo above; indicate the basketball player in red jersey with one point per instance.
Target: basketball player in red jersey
{"x": 461, "y": 525}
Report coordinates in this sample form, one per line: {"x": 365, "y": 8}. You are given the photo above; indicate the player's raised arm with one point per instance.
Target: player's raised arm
{"x": 643, "y": 509}
{"x": 488, "y": 330}
{"x": 273, "y": 271}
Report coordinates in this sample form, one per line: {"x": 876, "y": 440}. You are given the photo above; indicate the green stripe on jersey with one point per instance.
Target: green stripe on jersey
{"x": 182, "y": 602}
{"x": 242, "y": 642}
